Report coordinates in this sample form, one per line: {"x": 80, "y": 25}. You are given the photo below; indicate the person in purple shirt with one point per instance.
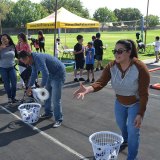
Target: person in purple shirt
{"x": 53, "y": 77}
{"x": 90, "y": 52}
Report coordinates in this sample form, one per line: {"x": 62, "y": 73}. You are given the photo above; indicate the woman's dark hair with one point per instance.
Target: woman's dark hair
{"x": 9, "y": 38}
{"x": 23, "y": 54}
{"x": 129, "y": 45}
{"x": 10, "y": 43}
{"x": 40, "y": 32}
{"x": 23, "y": 36}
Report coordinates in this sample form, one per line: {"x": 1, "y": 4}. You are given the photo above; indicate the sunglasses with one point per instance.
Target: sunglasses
{"x": 119, "y": 51}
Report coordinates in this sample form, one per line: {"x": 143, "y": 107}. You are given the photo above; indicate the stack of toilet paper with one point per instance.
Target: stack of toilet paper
{"x": 40, "y": 94}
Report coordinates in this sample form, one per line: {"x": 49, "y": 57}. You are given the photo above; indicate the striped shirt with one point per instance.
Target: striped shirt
{"x": 129, "y": 87}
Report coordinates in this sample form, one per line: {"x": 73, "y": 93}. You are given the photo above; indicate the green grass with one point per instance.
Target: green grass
{"x": 108, "y": 38}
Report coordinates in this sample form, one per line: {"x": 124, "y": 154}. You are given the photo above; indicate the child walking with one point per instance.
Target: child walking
{"x": 157, "y": 48}
{"x": 90, "y": 52}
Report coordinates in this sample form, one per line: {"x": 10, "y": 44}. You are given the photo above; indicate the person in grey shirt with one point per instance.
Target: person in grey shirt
{"x": 7, "y": 66}
{"x": 53, "y": 77}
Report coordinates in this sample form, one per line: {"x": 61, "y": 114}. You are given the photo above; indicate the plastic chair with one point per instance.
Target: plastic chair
{"x": 67, "y": 52}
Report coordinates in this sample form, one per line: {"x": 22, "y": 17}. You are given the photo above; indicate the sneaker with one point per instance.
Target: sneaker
{"x": 76, "y": 80}
{"x": 81, "y": 79}
{"x": 14, "y": 100}
{"x": 9, "y": 100}
{"x": 102, "y": 68}
{"x": 37, "y": 85}
{"x": 23, "y": 86}
{"x": 45, "y": 116}
{"x": 88, "y": 80}
{"x": 57, "y": 124}
{"x": 97, "y": 69}
{"x": 93, "y": 80}
{"x": 123, "y": 146}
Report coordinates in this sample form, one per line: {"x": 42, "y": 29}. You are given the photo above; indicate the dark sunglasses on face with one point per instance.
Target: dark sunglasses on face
{"x": 119, "y": 51}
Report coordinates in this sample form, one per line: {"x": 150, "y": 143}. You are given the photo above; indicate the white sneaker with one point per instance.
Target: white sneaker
{"x": 9, "y": 100}
{"x": 57, "y": 124}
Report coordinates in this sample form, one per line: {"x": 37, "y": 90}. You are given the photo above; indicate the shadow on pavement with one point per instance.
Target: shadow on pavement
{"x": 18, "y": 130}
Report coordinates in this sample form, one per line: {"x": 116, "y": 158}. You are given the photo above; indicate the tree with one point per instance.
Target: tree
{"x": 152, "y": 20}
{"x": 128, "y": 14}
{"x": 4, "y": 10}
{"x": 25, "y": 11}
{"x": 73, "y": 6}
{"x": 104, "y": 15}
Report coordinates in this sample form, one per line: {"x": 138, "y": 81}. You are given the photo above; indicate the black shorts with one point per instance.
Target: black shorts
{"x": 99, "y": 57}
{"x": 79, "y": 64}
{"x": 89, "y": 67}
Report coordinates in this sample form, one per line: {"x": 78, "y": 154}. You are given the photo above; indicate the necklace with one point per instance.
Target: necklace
{"x": 123, "y": 76}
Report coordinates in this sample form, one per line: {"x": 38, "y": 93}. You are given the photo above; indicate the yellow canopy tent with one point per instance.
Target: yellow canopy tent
{"x": 65, "y": 19}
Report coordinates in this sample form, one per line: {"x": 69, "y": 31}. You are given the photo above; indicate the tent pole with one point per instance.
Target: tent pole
{"x": 99, "y": 29}
{"x": 55, "y": 28}
{"x": 145, "y": 40}
{"x": 59, "y": 31}
{"x": 27, "y": 32}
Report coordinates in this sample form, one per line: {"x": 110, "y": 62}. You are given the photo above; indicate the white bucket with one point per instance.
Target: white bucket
{"x": 30, "y": 112}
{"x": 105, "y": 145}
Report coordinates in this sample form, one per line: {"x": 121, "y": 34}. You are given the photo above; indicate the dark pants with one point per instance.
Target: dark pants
{"x": 41, "y": 47}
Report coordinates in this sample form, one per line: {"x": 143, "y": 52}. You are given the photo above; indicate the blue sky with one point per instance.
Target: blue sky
{"x": 92, "y": 5}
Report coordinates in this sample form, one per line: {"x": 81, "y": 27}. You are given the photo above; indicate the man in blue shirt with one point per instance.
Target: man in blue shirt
{"x": 53, "y": 77}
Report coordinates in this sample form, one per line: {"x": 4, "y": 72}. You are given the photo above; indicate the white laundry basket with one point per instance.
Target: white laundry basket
{"x": 105, "y": 145}
{"x": 30, "y": 112}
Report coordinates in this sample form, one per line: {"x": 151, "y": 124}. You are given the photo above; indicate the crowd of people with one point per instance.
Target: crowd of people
{"x": 87, "y": 55}
{"x": 39, "y": 42}
{"x": 142, "y": 47}
{"x": 29, "y": 65}
{"x": 128, "y": 75}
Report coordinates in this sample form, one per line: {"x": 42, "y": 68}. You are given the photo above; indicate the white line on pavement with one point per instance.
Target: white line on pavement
{"x": 154, "y": 95}
{"x": 54, "y": 140}
{"x": 156, "y": 76}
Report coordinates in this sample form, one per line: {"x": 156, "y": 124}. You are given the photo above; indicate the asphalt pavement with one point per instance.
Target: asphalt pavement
{"x": 20, "y": 141}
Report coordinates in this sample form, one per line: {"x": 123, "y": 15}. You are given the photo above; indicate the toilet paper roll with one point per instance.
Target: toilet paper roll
{"x": 40, "y": 94}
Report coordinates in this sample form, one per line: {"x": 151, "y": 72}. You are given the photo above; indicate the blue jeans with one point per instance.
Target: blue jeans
{"x": 10, "y": 81}
{"x": 53, "y": 103}
{"x": 125, "y": 116}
